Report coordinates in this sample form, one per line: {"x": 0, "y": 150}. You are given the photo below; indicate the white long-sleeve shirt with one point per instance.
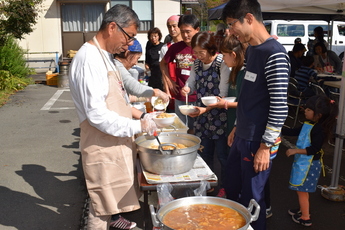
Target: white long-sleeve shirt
{"x": 89, "y": 88}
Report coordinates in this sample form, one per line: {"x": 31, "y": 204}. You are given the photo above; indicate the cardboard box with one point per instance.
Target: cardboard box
{"x": 52, "y": 79}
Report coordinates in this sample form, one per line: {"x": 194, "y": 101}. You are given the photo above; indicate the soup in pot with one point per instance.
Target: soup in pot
{"x": 204, "y": 216}
{"x": 167, "y": 147}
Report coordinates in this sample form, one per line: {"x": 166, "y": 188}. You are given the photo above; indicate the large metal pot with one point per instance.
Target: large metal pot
{"x": 157, "y": 218}
{"x": 168, "y": 161}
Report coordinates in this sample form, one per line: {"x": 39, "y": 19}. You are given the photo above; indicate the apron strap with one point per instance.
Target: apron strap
{"x": 116, "y": 71}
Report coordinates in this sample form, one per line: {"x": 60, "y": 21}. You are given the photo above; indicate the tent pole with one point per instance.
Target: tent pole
{"x": 335, "y": 192}
{"x": 340, "y": 132}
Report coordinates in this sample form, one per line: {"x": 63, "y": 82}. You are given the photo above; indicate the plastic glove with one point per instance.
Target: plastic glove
{"x": 159, "y": 93}
{"x": 147, "y": 124}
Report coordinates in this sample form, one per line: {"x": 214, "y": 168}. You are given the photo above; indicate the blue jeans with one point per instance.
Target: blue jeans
{"x": 242, "y": 183}
{"x": 218, "y": 147}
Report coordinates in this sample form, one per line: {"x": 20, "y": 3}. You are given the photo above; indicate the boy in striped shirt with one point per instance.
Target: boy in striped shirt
{"x": 262, "y": 107}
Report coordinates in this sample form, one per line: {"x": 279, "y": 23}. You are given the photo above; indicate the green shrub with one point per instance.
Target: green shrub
{"x": 12, "y": 59}
{"x": 9, "y": 82}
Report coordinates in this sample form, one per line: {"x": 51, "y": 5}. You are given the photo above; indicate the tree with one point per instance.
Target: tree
{"x": 201, "y": 9}
{"x": 17, "y": 17}
{"x": 214, "y": 3}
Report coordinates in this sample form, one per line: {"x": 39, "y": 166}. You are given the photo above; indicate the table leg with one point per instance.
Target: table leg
{"x": 146, "y": 210}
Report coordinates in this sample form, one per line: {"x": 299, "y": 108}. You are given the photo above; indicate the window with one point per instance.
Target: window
{"x": 290, "y": 30}
{"x": 143, "y": 8}
{"x": 268, "y": 27}
{"x": 341, "y": 29}
{"x": 312, "y": 27}
{"x": 81, "y": 17}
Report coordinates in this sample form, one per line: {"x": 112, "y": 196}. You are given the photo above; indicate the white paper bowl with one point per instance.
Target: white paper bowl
{"x": 230, "y": 99}
{"x": 164, "y": 122}
{"x": 158, "y": 106}
{"x": 209, "y": 100}
{"x": 187, "y": 109}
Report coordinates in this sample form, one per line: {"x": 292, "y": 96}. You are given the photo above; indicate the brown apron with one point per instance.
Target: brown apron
{"x": 108, "y": 161}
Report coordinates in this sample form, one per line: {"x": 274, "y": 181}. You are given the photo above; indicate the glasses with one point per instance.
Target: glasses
{"x": 130, "y": 38}
{"x": 233, "y": 22}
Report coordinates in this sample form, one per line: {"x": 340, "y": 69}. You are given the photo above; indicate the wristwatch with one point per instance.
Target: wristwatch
{"x": 268, "y": 145}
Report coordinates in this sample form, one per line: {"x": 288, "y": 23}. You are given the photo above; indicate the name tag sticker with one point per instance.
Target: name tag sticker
{"x": 185, "y": 72}
{"x": 250, "y": 76}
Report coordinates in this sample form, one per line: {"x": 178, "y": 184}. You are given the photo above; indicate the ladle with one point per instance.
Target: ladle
{"x": 155, "y": 134}
{"x": 186, "y": 85}
{"x": 160, "y": 147}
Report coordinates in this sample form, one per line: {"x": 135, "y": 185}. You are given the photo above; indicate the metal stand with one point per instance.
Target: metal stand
{"x": 335, "y": 192}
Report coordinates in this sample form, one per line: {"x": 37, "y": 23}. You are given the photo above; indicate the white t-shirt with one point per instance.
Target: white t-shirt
{"x": 89, "y": 88}
{"x": 164, "y": 50}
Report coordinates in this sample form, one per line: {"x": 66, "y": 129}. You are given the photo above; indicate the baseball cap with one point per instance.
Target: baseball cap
{"x": 136, "y": 47}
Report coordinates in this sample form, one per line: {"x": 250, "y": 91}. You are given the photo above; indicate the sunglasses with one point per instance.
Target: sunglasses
{"x": 130, "y": 38}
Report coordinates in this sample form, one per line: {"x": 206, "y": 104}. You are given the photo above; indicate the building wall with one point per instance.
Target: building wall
{"x": 163, "y": 9}
{"x": 46, "y": 36}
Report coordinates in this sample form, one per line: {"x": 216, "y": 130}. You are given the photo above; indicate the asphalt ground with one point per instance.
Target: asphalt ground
{"x": 42, "y": 184}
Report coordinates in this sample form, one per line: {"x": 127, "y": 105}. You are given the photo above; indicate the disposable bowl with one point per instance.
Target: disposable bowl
{"x": 209, "y": 100}
{"x": 186, "y": 109}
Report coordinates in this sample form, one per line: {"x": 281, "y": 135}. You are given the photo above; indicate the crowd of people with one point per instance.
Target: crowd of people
{"x": 240, "y": 60}
{"x": 317, "y": 60}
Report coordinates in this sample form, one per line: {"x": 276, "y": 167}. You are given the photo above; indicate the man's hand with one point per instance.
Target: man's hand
{"x": 170, "y": 86}
{"x": 158, "y": 93}
{"x": 147, "y": 124}
{"x": 185, "y": 90}
{"x": 231, "y": 136}
{"x": 262, "y": 158}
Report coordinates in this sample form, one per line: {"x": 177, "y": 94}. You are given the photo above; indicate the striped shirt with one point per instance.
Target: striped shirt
{"x": 303, "y": 75}
{"x": 262, "y": 104}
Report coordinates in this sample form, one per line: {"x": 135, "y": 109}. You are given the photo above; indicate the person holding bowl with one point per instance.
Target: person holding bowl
{"x": 209, "y": 77}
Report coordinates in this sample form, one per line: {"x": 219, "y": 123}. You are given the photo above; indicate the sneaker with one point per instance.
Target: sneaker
{"x": 297, "y": 219}
{"x": 122, "y": 223}
{"x": 295, "y": 211}
{"x": 222, "y": 193}
{"x": 269, "y": 212}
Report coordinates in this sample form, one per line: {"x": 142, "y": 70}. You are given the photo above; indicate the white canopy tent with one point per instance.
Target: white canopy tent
{"x": 330, "y": 10}
{"x": 295, "y": 9}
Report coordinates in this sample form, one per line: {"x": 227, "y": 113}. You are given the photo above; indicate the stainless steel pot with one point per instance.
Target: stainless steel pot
{"x": 168, "y": 161}
{"x": 157, "y": 218}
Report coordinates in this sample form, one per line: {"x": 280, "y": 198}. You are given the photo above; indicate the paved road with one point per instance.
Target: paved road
{"x": 41, "y": 181}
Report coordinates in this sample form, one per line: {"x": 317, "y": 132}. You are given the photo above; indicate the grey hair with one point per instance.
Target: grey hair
{"x": 123, "y": 15}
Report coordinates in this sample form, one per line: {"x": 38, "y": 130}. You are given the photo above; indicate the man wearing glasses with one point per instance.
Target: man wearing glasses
{"x": 261, "y": 109}
{"x": 106, "y": 124}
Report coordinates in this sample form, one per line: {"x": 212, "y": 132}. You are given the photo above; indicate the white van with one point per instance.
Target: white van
{"x": 288, "y": 31}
